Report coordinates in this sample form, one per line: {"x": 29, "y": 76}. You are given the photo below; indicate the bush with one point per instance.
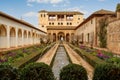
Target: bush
{"x": 106, "y": 72}
{"x": 37, "y": 71}
{"x": 8, "y": 73}
{"x": 73, "y": 72}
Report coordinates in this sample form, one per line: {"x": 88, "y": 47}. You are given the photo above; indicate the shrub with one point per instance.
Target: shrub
{"x": 106, "y": 72}
{"x": 37, "y": 71}
{"x": 8, "y": 73}
{"x": 73, "y": 72}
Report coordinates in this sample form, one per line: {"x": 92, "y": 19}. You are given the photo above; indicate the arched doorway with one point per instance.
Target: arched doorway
{"x": 3, "y": 36}
{"x": 72, "y": 37}
{"x": 67, "y": 37}
{"x": 25, "y": 37}
{"x": 29, "y": 37}
{"x": 12, "y": 37}
{"x": 61, "y": 36}
{"x": 54, "y": 37}
{"x": 33, "y": 38}
{"x": 19, "y": 37}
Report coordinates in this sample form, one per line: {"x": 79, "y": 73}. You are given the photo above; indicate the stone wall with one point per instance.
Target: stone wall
{"x": 113, "y": 36}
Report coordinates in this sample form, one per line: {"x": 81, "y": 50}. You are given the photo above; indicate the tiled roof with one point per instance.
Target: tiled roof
{"x": 95, "y": 14}
{"x": 62, "y": 12}
{"x": 102, "y": 11}
{"x": 20, "y": 21}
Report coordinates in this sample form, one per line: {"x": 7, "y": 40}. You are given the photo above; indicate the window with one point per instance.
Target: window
{"x": 91, "y": 21}
{"x": 70, "y": 23}
{"x": 41, "y": 15}
{"x": 49, "y": 23}
{"x": 78, "y": 18}
{"x": 52, "y": 23}
{"x": 44, "y": 15}
{"x": 42, "y": 26}
{"x": 58, "y": 23}
{"x": 61, "y": 23}
{"x": 67, "y": 23}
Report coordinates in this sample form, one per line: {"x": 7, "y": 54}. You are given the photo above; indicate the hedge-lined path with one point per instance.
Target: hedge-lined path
{"x": 60, "y": 61}
{"x": 75, "y": 58}
{"x": 47, "y": 58}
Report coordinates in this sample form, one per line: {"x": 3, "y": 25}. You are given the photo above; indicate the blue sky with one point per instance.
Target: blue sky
{"x": 28, "y": 9}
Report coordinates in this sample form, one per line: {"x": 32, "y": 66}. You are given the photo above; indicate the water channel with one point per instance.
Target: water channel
{"x": 60, "y": 61}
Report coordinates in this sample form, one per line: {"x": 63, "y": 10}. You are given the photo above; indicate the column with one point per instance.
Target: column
{"x": 16, "y": 38}
{"x": 8, "y": 36}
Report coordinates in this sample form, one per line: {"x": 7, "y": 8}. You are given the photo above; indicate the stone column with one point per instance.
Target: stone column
{"x": 16, "y": 38}
{"x": 22, "y": 43}
{"x": 8, "y": 37}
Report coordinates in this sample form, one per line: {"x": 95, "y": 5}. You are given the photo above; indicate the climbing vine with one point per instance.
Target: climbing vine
{"x": 102, "y": 33}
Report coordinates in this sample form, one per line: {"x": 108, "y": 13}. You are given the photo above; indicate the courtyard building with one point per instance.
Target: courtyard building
{"x": 60, "y": 25}
{"x": 17, "y": 33}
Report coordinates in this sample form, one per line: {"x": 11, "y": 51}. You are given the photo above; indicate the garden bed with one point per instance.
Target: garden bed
{"x": 21, "y": 57}
{"x": 95, "y": 56}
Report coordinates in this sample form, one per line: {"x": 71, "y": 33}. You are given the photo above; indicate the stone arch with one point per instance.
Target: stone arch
{"x": 29, "y": 37}
{"x": 20, "y": 37}
{"x": 29, "y": 34}
{"x": 25, "y": 37}
{"x": 25, "y": 34}
{"x": 33, "y": 37}
{"x": 3, "y": 36}
{"x": 72, "y": 36}
{"x": 3, "y": 31}
{"x": 67, "y": 37}
{"x": 61, "y": 35}
{"x": 54, "y": 37}
{"x": 12, "y": 37}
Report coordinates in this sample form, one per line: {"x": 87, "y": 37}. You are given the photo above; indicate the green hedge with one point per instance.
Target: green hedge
{"x": 32, "y": 57}
{"x": 106, "y": 72}
{"x": 91, "y": 59}
{"x": 37, "y": 71}
{"x": 73, "y": 72}
{"x": 7, "y": 72}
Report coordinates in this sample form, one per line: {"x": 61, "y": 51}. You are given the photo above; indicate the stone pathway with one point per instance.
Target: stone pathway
{"x": 75, "y": 58}
{"x": 47, "y": 58}
{"x": 60, "y": 61}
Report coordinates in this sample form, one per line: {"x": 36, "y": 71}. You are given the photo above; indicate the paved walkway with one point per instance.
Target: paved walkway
{"x": 60, "y": 61}
{"x": 47, "y": 58}
{"x": 75, "y": 58}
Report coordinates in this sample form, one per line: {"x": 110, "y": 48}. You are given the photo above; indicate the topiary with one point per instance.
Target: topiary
{"x": 37, "y": 71}
{"x": 106, "y": 72}
{"x": 73, "y": 72}
{"x": 8, "y": 73}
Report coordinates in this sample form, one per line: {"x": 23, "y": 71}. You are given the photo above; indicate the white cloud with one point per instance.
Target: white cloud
{"x": 30, "y": 14}
{"x": 46, "y": 1}
{"x": 55, "y": 1}
{"x": 77, "y": 9}
{"x": 101, "y": 0}
{"x": 30, "y": 5}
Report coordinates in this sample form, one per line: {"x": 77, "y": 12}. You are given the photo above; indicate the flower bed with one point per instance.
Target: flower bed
{"x": 20, "y": 57}
{"x": 91, "y": 59}
{"x": 105, "y": 56}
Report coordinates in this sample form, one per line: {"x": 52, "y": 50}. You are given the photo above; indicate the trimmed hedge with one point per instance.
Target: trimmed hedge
{"x": 8, "y": 73}
{"x": 37, "y": 71}
{"x": 73, "y": 72}
{"x": 91, "y": 59}
{"x": 106, "y": 72}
